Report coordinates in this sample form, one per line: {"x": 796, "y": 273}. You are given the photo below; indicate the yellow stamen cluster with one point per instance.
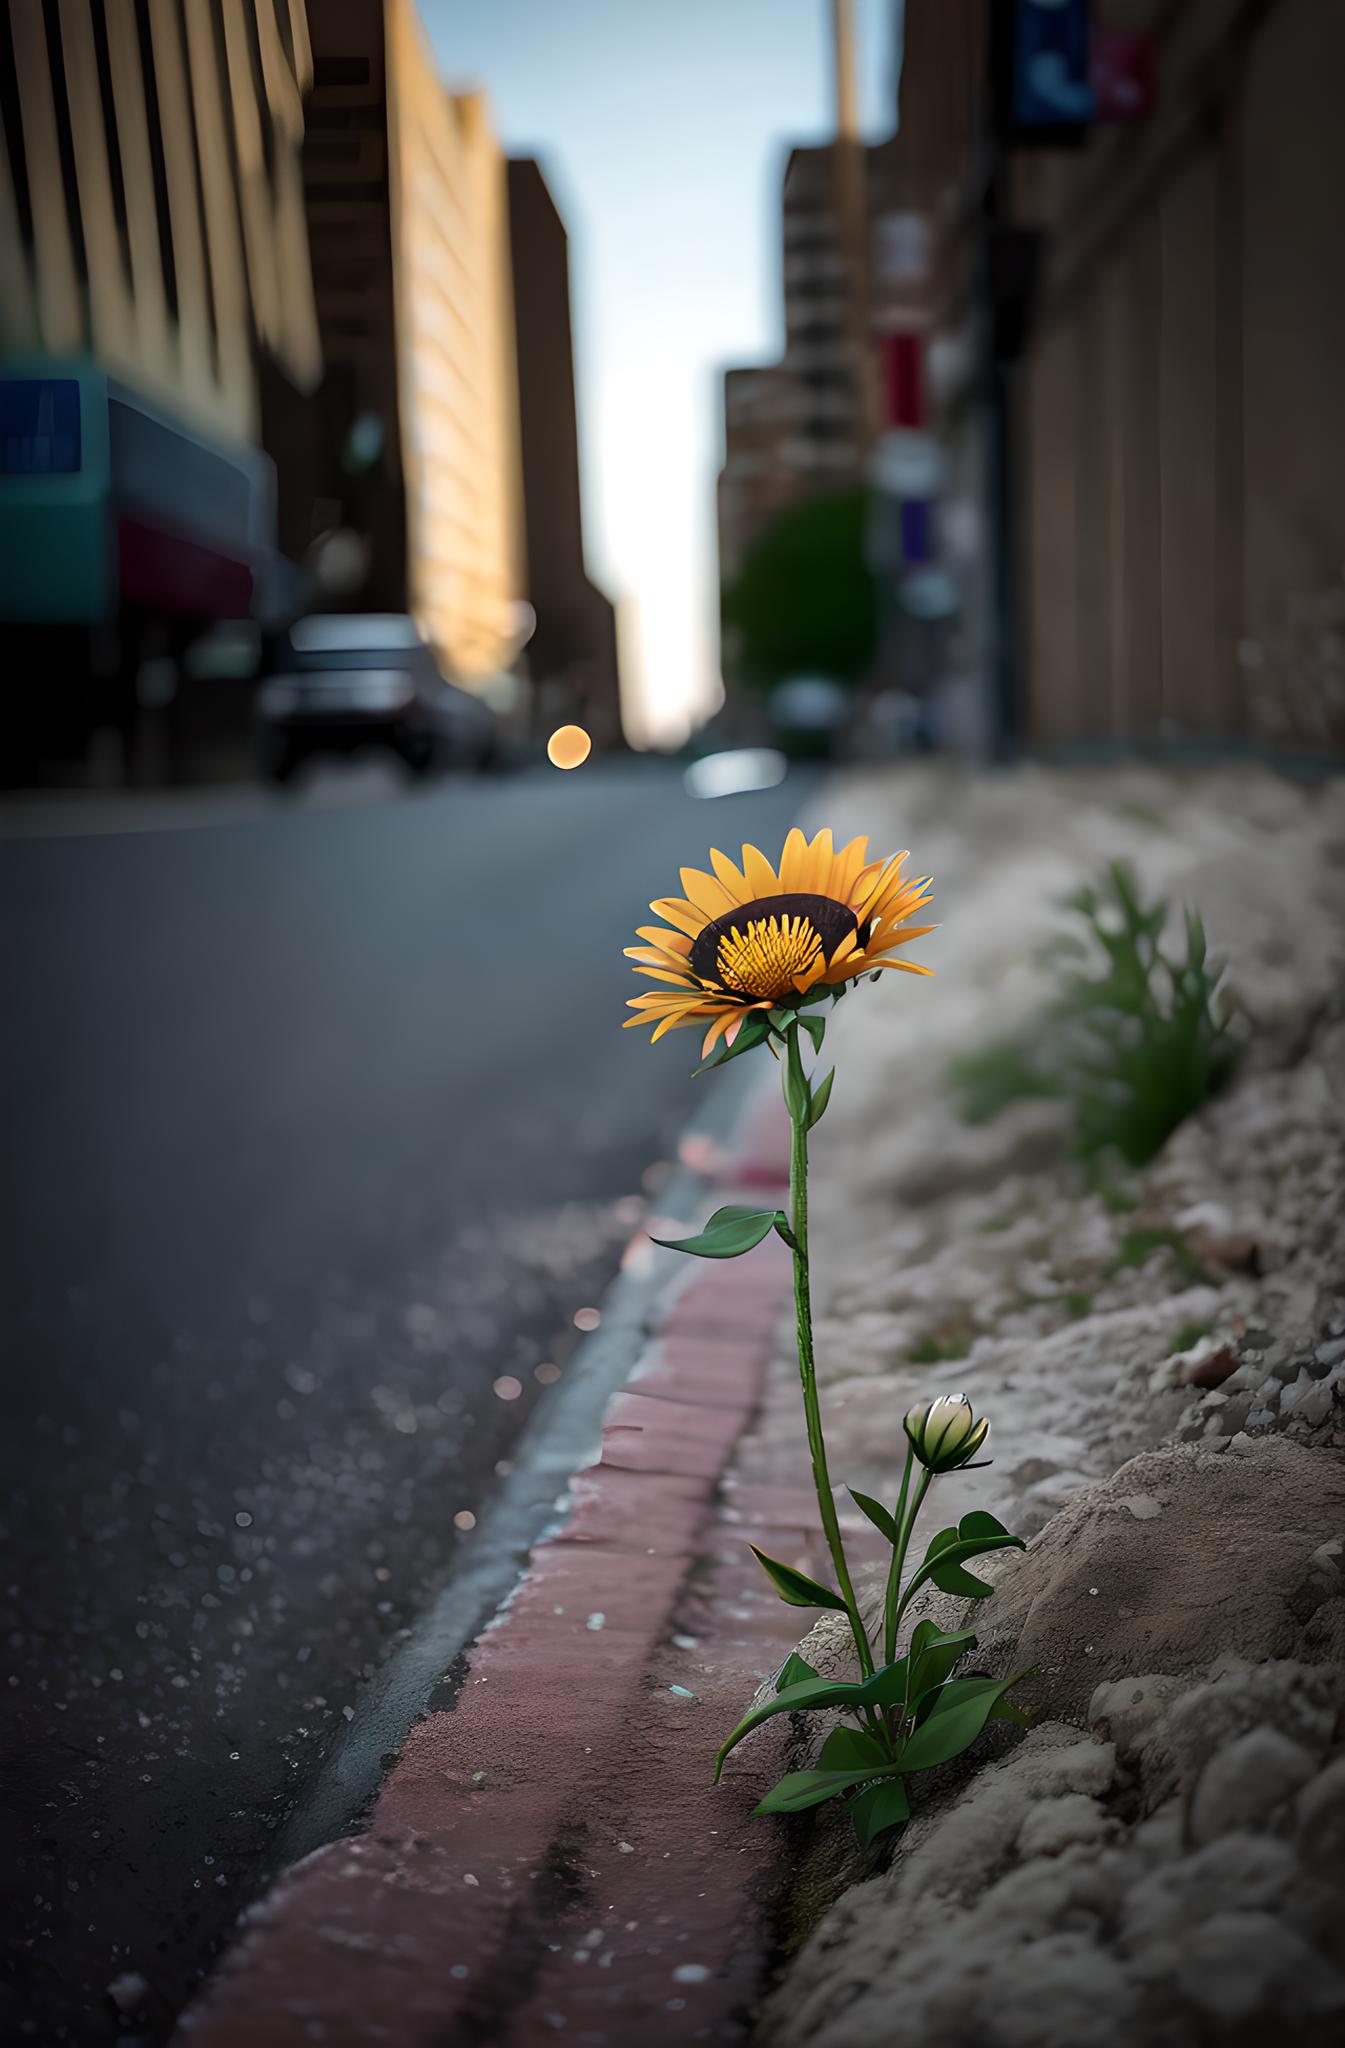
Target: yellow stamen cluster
{"x": 764, "y": 960}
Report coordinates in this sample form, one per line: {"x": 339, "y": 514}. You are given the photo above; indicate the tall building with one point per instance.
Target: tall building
{"x": 151, "y": 212}
{"x": 414, "y": 444}
{"x": 154, "y": 276}
{"x": 572, "y": 656}
{"x": 806, "y": 424}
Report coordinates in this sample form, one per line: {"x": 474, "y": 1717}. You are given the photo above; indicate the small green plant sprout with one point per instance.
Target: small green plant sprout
{"x": 909, "y": 1712}
{"x": 1134, "y": 1047}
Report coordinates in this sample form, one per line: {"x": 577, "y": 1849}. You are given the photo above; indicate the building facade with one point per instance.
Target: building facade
{"x": 855, "y": 254}
{"x": 572, "y": 655}
{"x": 151, "y": 209}
{"x": 154, "y": 288}
{"x": 413, "y": 447}
{"x": 1135, "y": 338}
{"x": 1180, "y": 412}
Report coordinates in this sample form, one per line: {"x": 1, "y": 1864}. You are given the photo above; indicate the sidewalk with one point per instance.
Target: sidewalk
{"x": 549, "y": 1853}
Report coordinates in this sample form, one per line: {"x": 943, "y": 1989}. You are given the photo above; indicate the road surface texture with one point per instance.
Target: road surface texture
{"x": 320, "y": 1131}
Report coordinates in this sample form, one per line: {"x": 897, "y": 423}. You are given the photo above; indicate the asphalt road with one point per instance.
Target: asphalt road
{"x": 318, "y": 1124}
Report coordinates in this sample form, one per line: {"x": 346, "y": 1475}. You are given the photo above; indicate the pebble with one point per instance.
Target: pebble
{"x": 127, "y": 1992}
{"x": 1307, "y": 1400}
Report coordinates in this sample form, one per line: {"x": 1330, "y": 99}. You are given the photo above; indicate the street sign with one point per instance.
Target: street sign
{"x": 907, "y": 464}
{"x": 928, "y": 594}
{"x": 1050, "y": 93}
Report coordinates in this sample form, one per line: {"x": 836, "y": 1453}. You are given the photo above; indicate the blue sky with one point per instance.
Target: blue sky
{"x": 662, "y": 127}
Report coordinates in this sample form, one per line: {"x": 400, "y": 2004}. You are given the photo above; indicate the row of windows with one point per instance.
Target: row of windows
{"x": 54, "y": 59}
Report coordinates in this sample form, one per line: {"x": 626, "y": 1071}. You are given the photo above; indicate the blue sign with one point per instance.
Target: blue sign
{"x": 1051, "y": 87}
{"x": 39, "y": 426}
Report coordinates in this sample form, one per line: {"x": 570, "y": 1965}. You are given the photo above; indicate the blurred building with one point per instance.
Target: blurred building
{"x": 759, "y": 479}
{"x": 853, "y": 236}
{"x": 1105, "y": 317}
{"x": 154, "y": 277}
{"x": 151, "y": 212}
{"x": 413, "y": 449}
{"x": 572, "y": 655}
{"x": 1134, "y": 333}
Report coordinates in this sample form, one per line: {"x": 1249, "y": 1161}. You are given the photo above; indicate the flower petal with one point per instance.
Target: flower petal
{"x": 730, "y": 877}
{"x": 665, "y": 974}
{"x": 716, "y": 1032}
{"x": 759, "y": 875}
{"x": 820, "y": 858}
{"x": 870, "y": 891}
{"x": 706, "y": 893}
{"x": 849, "y": 862}
{"x": 654, "y": 956}
{"x": 671, "y": 1023}
{"x": 883, "y": 942}
{"x": 684, "y": 916}
{"x": 672, "y": 942}
{"x": 794, "y": 864}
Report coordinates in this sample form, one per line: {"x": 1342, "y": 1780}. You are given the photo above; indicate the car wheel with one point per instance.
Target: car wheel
{"x": 279, "y": 764}
{"x": 416, "y": 752}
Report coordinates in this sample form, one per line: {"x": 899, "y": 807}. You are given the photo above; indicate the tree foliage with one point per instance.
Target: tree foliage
{"x": 803, "y": 602}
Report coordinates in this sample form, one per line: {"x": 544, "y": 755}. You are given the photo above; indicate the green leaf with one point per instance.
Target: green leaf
{"x": 821, "y": 1097}
{"x": 806, "y": 1697}
{"x": 793, "y": 1671}
{"x": 950, "y": 1577}
{"x": 850, "y": 1749}
{"x": 876, "y": 1808}
{"x": 816, "y": 1028}
{"x": 1005, "y": 1710}
{"x": 932, "y": 1658}
{"x": 956, "y": 1719}
{"x": 796, "y": 1588}
{"x": 886, "y": 1688}
{"x": 979, "y": 1523}
{"x": 798, "y": 1100}
{"x": 730, "y": 1232}
{"x": 950, "y": 1548}
{"x": 809, "y": 1788}
{"x": 878, "y": 1515}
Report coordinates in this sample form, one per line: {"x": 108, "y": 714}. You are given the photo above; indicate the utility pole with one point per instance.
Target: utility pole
{"x": 851, "y": 205}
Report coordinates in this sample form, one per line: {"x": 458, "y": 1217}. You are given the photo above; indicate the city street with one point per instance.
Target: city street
{"x": 321, "y": 1130}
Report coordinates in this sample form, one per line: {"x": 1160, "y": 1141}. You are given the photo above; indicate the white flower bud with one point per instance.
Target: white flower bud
{"x": 945, "y": 1433}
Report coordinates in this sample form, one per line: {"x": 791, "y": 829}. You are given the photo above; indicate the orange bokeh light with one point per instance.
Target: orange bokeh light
{"x": 568, "y": 747}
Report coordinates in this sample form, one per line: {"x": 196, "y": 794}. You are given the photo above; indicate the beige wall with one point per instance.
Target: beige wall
{"x": 455, "y": 347}
{"x": 239, "y": 249}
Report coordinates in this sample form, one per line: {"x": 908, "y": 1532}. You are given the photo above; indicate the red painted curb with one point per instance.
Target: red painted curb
{"x": 550, "y": 1855}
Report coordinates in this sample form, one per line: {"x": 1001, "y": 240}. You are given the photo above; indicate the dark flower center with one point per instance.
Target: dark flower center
{"x": 831, "y": 921}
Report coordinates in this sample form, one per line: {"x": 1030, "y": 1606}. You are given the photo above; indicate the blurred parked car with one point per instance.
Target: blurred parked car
{"x": 735, "y": 769}
{"x": 342, "y": 682}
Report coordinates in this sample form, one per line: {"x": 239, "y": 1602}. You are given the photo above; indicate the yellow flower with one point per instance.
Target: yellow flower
{"x": 748, "y": 938}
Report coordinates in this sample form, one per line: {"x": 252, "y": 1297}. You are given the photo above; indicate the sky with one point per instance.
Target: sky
{"x": 662, "y": 127}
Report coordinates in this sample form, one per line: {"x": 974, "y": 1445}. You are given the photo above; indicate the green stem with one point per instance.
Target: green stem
{"x": 893, "y": 1605}
{"x": 898, "y": 1560}
{"x": 798, "y": 1201}
{"x": 907, "y": 1596}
